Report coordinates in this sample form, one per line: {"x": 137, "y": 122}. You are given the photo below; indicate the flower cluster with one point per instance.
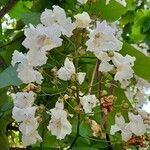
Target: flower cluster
{"x": 104, "y": 43}
{"x": 24, "y": 113}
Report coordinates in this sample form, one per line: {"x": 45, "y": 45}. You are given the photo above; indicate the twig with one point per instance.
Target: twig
{"x": 93, "y": 76}
{"x": 7, "y": 8}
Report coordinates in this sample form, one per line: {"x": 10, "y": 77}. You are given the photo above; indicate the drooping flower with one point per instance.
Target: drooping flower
{"x": 136, "y": 124}
{"x": 31, "y": 138}
{"x": 58, "y": 18}
{"x": 20, "y": 114}
{"x": 81, "y": 77}
{"x": 65, "y": 72}
{"x": 88, "y": 102}
{"x": 28, "y": 125}
{"x": 104, "y": 66}
{"x": 24, "y": 99}
{"x": 82, "y": 20}
{"x": 102, "y": 39}
{"x": 25, "y": 68}
{"x": 124, "y": 68}
{"x": 120, "y": 125}
{"x": 59, "y": 125}
{"x": 42, "y": 38}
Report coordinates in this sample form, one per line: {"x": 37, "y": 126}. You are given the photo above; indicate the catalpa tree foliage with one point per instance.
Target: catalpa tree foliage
{"x": 75, "y": 74}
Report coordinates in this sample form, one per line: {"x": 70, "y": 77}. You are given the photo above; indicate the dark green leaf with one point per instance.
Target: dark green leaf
{"x": 9, "y": 77}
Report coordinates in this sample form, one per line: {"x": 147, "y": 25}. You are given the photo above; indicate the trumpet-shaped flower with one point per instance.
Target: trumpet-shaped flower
{"x": 42, "y": 38}
{"x": 65, "y": 72}
{"x": 31, "y": 138}
{"x": 59, "y": 125}
{"x": 82, "y": 20}
{"x": 88, "y": 102}
{"x": 25, "y": 68}
{"x": 24, "y": 99}
{"x": 57, "y": 17}
{"x": 120, "y": 125}
{"x": 102, "y": 39}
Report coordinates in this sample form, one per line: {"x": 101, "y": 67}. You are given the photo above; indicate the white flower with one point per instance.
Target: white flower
{"x": 124, "y": 70}
{"x": 24, "y": 99}
{"x": 42, "y": 38}
{"x": 120, "y": 125}
{"x": 31, "y": 138}
{"x": 82, "y": 20}
{"x": 81, "y": 77}
{"x": 104, "y": 66}
{"x": 82, "y": 1}
{"x": 59, "y": 125}
{"x": 37, "y": 57}
{"x": 65, "y": 72}
{"x": 25, "y": 68}
{"x": 28, "y": 125}
{"x": 21, "y": 114}
{"x": 102, "y": 39}
{"x": 136, "y": 124}
{"x": 88, "y": 102}
{"x": 58, "y": 18}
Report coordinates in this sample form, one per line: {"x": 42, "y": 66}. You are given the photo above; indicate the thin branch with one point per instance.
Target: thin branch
{"x": 93, "y": 76}
{"x": 7, "y": 8}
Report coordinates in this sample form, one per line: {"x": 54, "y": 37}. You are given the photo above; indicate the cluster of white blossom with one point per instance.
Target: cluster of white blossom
{"x": 136, "y": 126}
{"x": 103, "y": 43}
{"x": 24, "y": 113}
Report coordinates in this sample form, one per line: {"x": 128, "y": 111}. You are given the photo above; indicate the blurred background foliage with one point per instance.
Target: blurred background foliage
{"x": 135, "y": 21}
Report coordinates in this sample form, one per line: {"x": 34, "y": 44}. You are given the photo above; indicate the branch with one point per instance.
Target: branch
{"x": 7, "y": 8}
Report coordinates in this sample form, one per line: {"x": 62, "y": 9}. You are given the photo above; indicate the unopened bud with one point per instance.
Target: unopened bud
{"x": 135, "y": 112}
{"x": 66, "y": 97}
{"x": 73, "y": 88}
{"x": 78, "y": 108}
{"x": 69, "y": 91}
{"x": 39, "y": 119}
{"x": 126, "y": 105}
{"x": 41, "y": 108}
{"x": 82, "y": 52}
{"x": 103, "y": 92}
{"x": 110, "y": 53}
{"x": 74, "y": 78}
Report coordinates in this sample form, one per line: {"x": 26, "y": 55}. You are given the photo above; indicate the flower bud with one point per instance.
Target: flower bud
{"x": 125, "y": 105}
{"x": 73, "y": 88}
{"x": 103, "y": 92}
{"x": 39, "y": 119}
{"x": 110, "y": 53}
{"x": 74, "y": 78}
{"x": 41, "y": 108}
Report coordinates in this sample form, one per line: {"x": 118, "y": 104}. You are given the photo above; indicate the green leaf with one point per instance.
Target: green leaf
{"x": 32, "y": 17}
{"x": 9, "y": 77}
{"x": 20, "y": 7}
{"x": 142, "y": 63}
{"x": 110, "y": 12}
